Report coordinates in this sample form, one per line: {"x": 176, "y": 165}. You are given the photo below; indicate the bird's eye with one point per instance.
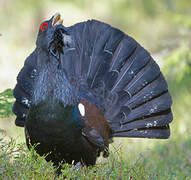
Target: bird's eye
{"x": 81, "y": 109}
{"x": 43, "y": 26}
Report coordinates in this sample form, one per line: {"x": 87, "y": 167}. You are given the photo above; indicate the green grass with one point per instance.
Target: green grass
{"x": 129, "y": 159}
{"x": 171, "y": 160}
{"x": 6, "y": 102}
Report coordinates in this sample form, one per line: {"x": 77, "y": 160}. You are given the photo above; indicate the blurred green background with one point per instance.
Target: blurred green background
{"x": 163, "y": 27}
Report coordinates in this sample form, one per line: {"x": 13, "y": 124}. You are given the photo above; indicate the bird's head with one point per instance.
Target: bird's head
{"x": 50, "y": 35}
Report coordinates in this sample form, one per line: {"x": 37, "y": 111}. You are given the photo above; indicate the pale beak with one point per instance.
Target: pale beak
{"x": 57, "y": 19}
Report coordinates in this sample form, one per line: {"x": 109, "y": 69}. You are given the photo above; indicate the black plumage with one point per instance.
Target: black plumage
{"x": 94, "y": 66}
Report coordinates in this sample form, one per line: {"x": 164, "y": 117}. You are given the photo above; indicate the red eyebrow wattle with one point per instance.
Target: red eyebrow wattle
{"x": 43, "y": 25}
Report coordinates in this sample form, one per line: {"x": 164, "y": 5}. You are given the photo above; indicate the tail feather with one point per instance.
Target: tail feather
{"x": 156, "y": 105}
{"x": 158, "y": 133}
{"x": 114, "y": 40}
{"x": 144, "y": 77}
{"x": 101, "y": 69}
{"x": 89, "y": 51}
{"x": 124, "y": 80}
{"x": 70, "y": 65}
{"x": 151, "y": 91}
{"x": 80, "y": 35}
{"x": 98, "y": 57}
{"x": 126, "y": 48}
{"x": 133, "y": 65}
{"x": 159, "y": 120}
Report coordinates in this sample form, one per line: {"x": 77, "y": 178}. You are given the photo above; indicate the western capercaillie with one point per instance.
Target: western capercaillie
{"x": 84, "y": 85}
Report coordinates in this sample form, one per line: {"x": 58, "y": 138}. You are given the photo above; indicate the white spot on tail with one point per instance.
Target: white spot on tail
{"x": 81, "y": 109}
{"x": 155, "y": 123}
{"x": 149, "y": 125}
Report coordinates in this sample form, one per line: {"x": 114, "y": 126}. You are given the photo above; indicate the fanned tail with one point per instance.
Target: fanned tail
{"x": 122, "y": 79}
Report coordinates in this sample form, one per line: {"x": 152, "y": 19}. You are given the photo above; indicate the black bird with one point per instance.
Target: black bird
{"x": 84, "y": 85}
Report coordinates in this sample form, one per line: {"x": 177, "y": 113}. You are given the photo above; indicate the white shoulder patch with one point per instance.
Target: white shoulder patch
{"x": 81, "y": 109}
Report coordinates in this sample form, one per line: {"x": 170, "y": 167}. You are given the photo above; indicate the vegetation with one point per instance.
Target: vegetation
{"x": 163, "y": 27}
{"x": 165, "y": 161}
{"x": 6, "y": 102}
